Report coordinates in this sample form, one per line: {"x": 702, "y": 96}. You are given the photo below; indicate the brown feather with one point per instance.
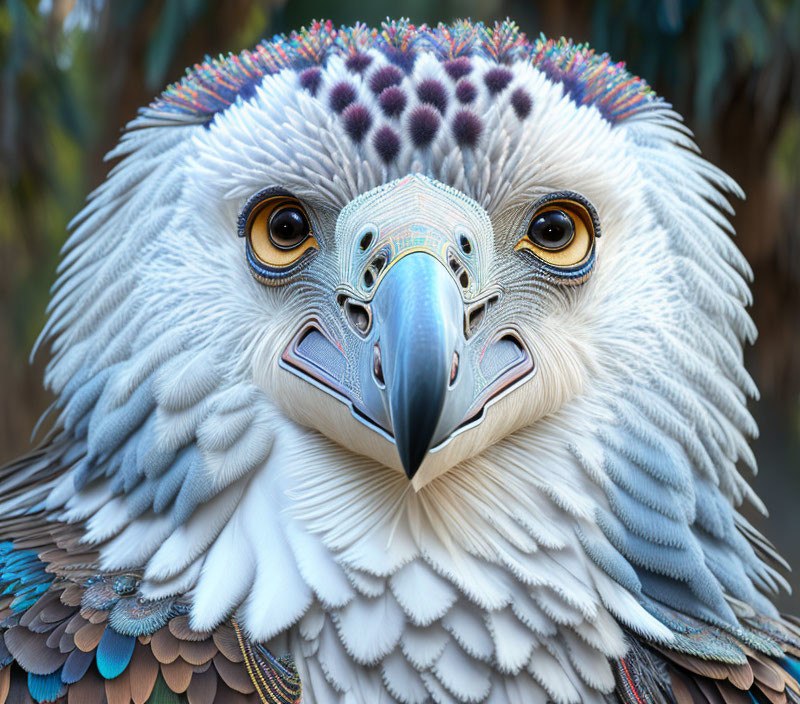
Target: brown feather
{"x": 39, "y": 626}
{"x": 198, "y": 652}
{"x": 72, "y": 595}
{"x": 5, "y": 683}
{"x": 203, "y": 687}
{"x": 732, "y": 694}
{"x": 177, "y": 674}
{"x": 228, "y": 696}
{"x": 143, "y": 671}
{"x": 706, "y": 668}
{"x": 233, "y": 674}
{"x": 88, "y": 689}
{"x": 118, "y": 690}
{"x": 99, "y": 617}
{"x": 164, "y": 645}
{"x": 740, "y": 676}
{"x": 225, "y": 640}
{"x": 680, "y": 689}
{"x": 18, "y": 690}
{"x": 76, "y": 623}
{"x": 685, "y": 688}
{"x": 56, "y": 612}
{"x": 28, "y": 617}
{"x": 63, "y": 562}
{"x": 66, "y": 644}
{"x": 28, "y": 536}
{"x": 93, "y": 615}
{"x": 179, "y": 627}
{"x": 31, "y": 652}
{"x": 767, "y": 672}
{"x": 710, "y": 692}
{"x": 773, "y": 696}
{"x": 203, "y": 667}
{"x": 54, "y": 638}
{"x": 89, "y": 636}
{"x": 790, "y": 682}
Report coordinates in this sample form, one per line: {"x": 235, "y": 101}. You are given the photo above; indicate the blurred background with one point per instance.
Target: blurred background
{"x": 73, "y": 72}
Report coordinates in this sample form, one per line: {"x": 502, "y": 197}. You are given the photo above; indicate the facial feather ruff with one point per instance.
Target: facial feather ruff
{"x": 397, "y": 364}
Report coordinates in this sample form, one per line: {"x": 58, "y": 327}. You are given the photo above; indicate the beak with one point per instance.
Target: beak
{"x": 418, "y": 316}
{"x": 418, "y": 379}
{"x": 415, "y": 339}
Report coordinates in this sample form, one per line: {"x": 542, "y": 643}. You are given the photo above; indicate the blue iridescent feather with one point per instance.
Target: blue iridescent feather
{"x": 23, "y": 576}
{"x": 46, "y": 688}
{"x": 114, "y": 653}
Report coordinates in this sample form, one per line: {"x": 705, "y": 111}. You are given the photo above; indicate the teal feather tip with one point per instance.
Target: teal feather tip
{"x": 114, "y": 653}
{"x": 46, "y": 688}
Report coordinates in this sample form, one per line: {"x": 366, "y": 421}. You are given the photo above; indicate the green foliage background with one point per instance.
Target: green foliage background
{"x": 73, "y": 72}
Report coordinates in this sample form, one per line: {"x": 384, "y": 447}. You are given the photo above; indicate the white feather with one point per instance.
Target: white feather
{"x": 370, "y": 628}
{"x": 493, "y": 560}
{"x": 424, "y": 596}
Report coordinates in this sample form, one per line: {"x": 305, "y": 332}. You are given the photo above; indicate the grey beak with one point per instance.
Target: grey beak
{"x": 418, "y": 315}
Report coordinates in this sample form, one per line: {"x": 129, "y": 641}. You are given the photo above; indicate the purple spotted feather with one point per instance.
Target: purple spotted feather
{"x": 588, "y": 78}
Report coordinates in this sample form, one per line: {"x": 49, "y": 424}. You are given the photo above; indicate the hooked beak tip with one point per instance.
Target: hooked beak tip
{"x": 415, "y": 412}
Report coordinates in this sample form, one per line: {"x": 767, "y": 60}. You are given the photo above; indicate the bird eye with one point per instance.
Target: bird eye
{"x": 288, "y": 227}
{"x": 279, "y": 236}
{"x": 561, "y": 232}
{"x": 552, "y": 230}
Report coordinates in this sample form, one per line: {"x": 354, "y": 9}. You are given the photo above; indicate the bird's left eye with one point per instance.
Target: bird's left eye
{"x": 279, "y": 236}
{"x": 561, "y": 233}
{"x": 552, "y": 230}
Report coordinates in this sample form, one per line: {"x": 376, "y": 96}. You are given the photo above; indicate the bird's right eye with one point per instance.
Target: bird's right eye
{"x": 279, "y": 236}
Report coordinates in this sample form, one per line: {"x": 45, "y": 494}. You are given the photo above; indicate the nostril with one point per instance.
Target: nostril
{"x": 377, "y": 367}
{"x": 464, "y": 279}
{"x": 358, "y": 315}
{"x": 465, "y": 244}
{"x": 366, "y": 241}
{"x": 475, "y": 320}
{"x": 476, "y": 314}
{"x": 369, "y": 279}
{"x": 378, "y": 264}
{"x": 454, "y": 368}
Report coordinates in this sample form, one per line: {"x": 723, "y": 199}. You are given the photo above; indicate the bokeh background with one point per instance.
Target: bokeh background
{"x": 73, "y": 72}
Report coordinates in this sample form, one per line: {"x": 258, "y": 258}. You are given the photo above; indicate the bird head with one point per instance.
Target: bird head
{"x": 420, "y": 326}
{"x": 413, "y": 295}
{"x": 425, "y": 274}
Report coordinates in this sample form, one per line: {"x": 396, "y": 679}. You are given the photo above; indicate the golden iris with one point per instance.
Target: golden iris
{"x": 561, "y": 233}
{"x": 279, "y": 232}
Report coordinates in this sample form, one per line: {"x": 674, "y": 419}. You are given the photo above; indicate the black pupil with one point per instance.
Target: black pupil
{"x": 288, "y": 227}
{"x": 552, "y": 230}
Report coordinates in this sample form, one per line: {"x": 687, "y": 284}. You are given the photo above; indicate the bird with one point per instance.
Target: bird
{"x": 397, "y": 364}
